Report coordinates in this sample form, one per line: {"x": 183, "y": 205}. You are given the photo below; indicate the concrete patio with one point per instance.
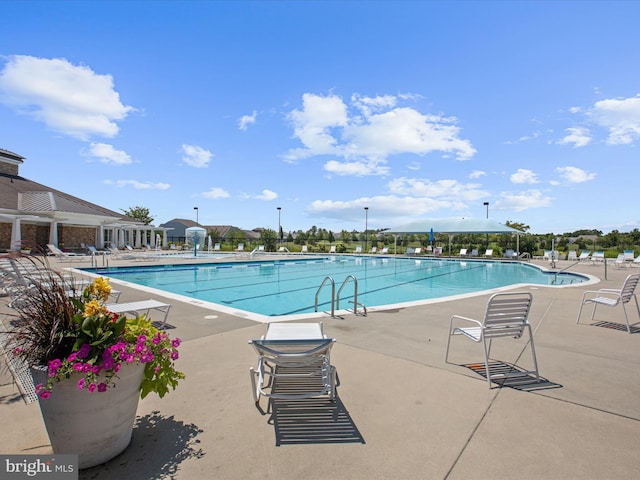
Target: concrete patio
{"x": 402, "y": 412}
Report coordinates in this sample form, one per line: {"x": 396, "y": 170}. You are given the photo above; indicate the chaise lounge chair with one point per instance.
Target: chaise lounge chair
{"x": 609, "y": 297}
{"x": 56, "y": 252}
{"x": 293, "y": 363}
{"x": 134, "y": 308}
{"x": 585, "y": 256}
{"x": 506, "y": 315}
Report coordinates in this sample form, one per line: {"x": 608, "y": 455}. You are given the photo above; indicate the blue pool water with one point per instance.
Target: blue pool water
{"x": 288, "y": 287}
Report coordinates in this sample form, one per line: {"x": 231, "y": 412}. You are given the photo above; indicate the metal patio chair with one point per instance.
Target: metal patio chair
{"x": 506, "y": 315}
{"x": 611, "y": 297}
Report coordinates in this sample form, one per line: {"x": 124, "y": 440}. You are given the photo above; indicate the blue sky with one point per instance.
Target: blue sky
{"x": 412, "y": 109}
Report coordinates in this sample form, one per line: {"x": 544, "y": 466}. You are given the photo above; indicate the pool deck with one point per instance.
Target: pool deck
{"x": 402, "y": 412}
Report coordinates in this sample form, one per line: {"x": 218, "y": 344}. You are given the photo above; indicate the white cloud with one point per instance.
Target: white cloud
{"x": 523, "y": 200}
{"x": 368, "y": 105}
{"x": 576, "y": 136}
{"x": 247, "y": 120}
{"x": 524, "y": 176}
{"x": 451, "y": 190}
{"x": 216, "y": 192}
{"x": 376, "y": 130}
{"x": 196, "y": 156}
{"x": 312, "y": 125}
{"x": 358, "y": 169}
{"x": 105, "y": 153}
{"x": 621, "y": 116}
{"x": 575, "y": 174}
{"x": 477, "y": 174}
{"x": 393, "y": 208}
{"x": 138, "y": 185}
{"x": 267, "y": 195}
{"x": 70, "y": 99}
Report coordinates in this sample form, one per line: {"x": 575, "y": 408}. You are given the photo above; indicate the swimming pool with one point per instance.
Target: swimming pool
{"x": 289, "y": 287}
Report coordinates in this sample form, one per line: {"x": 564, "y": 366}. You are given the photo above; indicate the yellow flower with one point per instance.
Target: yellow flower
{"x": 94, "y": 307}
{"x": 101, "y": 288}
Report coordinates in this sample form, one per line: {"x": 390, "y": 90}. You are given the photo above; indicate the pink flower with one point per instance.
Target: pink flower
{"x": 175, "y": 343}
{"x": 116, "y": 367}
{"x": 72, "y": 357}
{"x": 44, "y": 394}
{"x": 77, "y": 366}
{"x": 84, "y": 350}
{"x": 174, "y": 355}
{"x": 107, "y": 363}
{"x": 142, "y": 338}
{"x": 92, "y": 388}
{"x": 81, "y": 384}
{"x": 102, "y": 387}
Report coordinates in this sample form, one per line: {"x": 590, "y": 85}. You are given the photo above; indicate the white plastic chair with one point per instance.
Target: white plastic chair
{"x": 293, "y": 363}
{"x": 610, "y": 297}
{"x": 506, "y": 315}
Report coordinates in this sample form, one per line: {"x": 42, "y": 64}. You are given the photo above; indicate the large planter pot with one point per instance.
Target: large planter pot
{"x": 96, "y": 426}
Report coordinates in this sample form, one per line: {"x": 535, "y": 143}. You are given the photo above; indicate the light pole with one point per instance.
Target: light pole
{"x": 279, "y": 227}
{"x": 197, "y": 222}
{"x": 366, "y": 227}
{"x": 486, "y": 204}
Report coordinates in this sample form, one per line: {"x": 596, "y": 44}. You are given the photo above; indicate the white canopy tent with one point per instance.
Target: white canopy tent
{"x": 454, "y": 226}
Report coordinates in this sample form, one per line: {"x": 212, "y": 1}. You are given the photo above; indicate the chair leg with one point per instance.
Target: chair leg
{"x": 254, "y": 388}
{"x": 533, "y": 353}
{"x": 626, "y": 318}
{"x": 486, "y": 359}
{"x": 580, "y": 312}
{"x": 446, "y": 355}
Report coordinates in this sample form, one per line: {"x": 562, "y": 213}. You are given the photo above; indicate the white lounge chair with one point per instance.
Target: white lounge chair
{"x": 134, "y": 308}
{"x": 610, "y": 297}
{"x": 572, "y": 255}
{"x": 620, "y": 261}
{"x": 240, "y": 247}
{"x": 373, "y": 250}
{"x": 358, "y": 250}
{"x": 509, "y": 253}
{"x": 293, "y": 363}
{"x": 585, "y": 256}
{"x": 488, "y": 252}
{"x": 506, "y": 315}
{"x": 598, "y": 256}
{"x": 385, "y": 250}
{"x": 332, "y": 249}
{"x": 304, "y": 249}
{"x": 628, "y": 255}
{"x": 463, "y": 252}
{"x": 216, "y": 247}
{"x": 474, "y": 252}
{"x": 56, "y": 252}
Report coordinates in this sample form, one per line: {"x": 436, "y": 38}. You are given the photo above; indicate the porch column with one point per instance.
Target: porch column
{"x": 53, "y": 233}
{"x": 138, "y": 239}
{"x": 16, "y": 235}
{"x": 100, "y": 240}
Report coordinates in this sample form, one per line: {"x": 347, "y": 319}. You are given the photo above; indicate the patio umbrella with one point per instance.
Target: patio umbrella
{"x": 431, "y": 237}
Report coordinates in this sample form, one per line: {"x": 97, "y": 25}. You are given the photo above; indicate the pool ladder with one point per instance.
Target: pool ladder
{"x": 335, "y": 299}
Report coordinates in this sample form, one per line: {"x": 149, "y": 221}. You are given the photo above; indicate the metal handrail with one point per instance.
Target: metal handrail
{"x": 355, "y": 292}
{"x": 333, "y": 293}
